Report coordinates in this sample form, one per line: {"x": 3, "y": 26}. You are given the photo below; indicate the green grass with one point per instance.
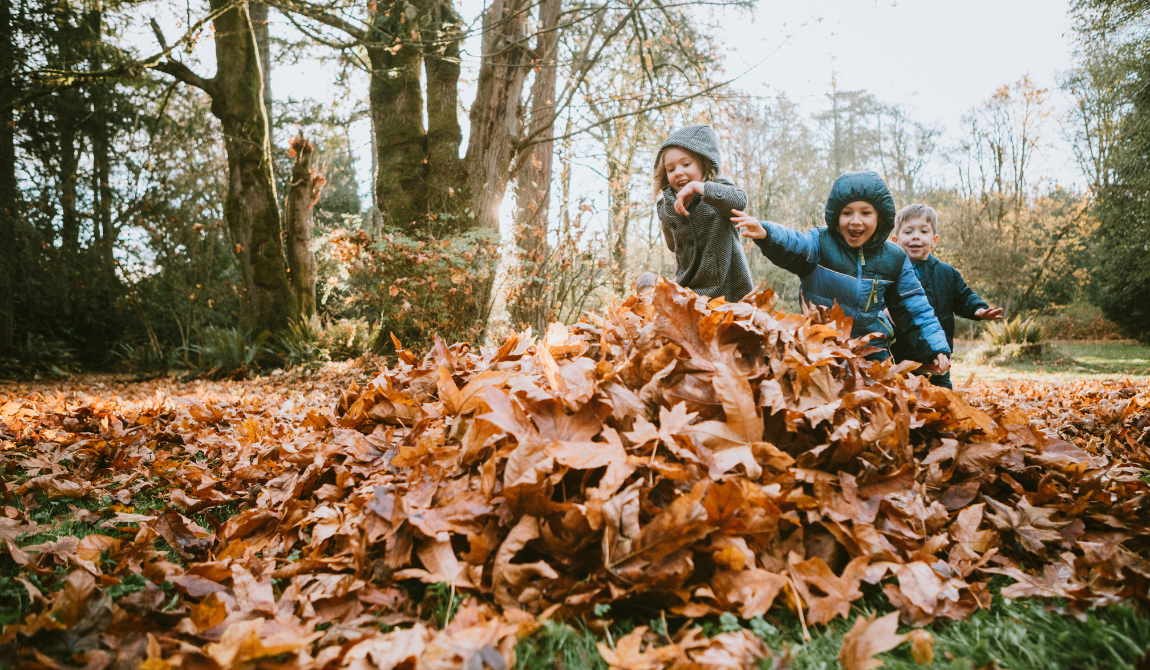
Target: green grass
{"x": 1019, "y": 635}
{"x": 1070, "y": 359}
{"x": 558, "y": 645}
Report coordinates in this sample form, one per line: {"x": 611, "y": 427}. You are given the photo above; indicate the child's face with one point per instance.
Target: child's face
{"x": 857, "y": 223}
{"x": 682, "y": 166}
{"x": 917, "y": 238}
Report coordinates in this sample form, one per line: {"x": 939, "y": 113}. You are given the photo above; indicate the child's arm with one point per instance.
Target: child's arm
{"x": 724, "y": 196}
{"x": 968, "y": 305}
{"x": 912, "y": 313}
{"x": 789, "y": 249}
{"x": 666, "y": 212}
{"x": 721, "y": 194}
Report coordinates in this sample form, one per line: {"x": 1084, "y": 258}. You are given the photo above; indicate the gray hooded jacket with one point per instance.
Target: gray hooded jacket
{"x": 709, "y": 258}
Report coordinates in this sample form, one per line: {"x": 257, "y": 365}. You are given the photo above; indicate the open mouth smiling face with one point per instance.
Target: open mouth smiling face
{"x": 682, "y": 166}
{"x": 857, "y": 223}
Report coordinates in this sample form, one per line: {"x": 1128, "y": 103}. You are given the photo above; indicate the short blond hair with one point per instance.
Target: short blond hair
{"x": 916, "y": 211}
{"x": 659, "y": 174}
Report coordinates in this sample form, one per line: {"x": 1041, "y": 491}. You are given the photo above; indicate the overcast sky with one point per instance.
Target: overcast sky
{"x": 939, "y": 57}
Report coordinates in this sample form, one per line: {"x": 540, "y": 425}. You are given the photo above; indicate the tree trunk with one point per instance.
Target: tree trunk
{"x": 618, "y": 195}
{"x": 8, "y": 195}
{"x": 620, "y": 158}
{"x": 528, "y": 305}
{"x": 302, "y": 194}
{"x": 396, "y": 101}
{"x": 375, "y": 227}
{"x": 259, "y": 14}
{"x": 67, "y": 105}
{"x": 444, "y": 134}
{"x": 421, "y": 186}
{"x": 494, "y": 114}
{"x": 101, "y": 151}
{"x": 69, "y": 164}
{"x": 250, "y": 209}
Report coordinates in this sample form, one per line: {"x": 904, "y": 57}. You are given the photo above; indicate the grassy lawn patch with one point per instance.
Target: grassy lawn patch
{"x": 1019, "y": 635}
{"x": 1070, "y": 359}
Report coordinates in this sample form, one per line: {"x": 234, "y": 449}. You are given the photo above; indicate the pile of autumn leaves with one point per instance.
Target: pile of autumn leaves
{"x": 669, "y": 455}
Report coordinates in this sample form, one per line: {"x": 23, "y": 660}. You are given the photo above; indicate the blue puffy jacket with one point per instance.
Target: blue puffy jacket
{"x": 864, "y": 281}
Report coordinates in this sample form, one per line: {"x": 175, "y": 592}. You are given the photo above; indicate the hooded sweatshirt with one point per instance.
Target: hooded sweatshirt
{"x": 863, "y": 281}
{"x": 709, "y": 257}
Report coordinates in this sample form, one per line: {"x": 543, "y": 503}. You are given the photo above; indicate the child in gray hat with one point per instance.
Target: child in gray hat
{"x": 695, "y": 205}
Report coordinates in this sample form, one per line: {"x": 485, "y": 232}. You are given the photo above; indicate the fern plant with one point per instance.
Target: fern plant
{"x": 300, "y": 343}
{"x": 1014, "y": 331}
{"x": 227, "y": 352}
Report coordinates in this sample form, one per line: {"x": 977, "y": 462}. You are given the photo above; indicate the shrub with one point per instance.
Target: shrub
{"x": 144, "y": 359}
{"x": 1014, "y": 331}
{"x": 227, "y": 353}
{"x": 1079, "y": 321}
{"x": 348, "y": 338}
{"x": 1015, "y": 340}
{"x": 35, "y": 356}
{"x": 311, "y": 341}
{"x": 411, "y": 288}
{"x": 300, "y": 345}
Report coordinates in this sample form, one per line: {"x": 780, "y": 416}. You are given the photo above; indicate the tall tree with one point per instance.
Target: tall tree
{"x": 528, "y": 303}
{"x": 9, "y": 198}
{"x": 251, "y": 208}
{"x": 848, "y": 129}
{"x": 1116, "y": 35}
{"x": 905, "y": 149}
{"x": 1099, "y": 85}
{"x": 1002, "y": 232}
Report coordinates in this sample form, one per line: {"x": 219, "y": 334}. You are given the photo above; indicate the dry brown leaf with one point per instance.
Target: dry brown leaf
{"x": 867, "y": 638}
{"x": 921, "y": 646}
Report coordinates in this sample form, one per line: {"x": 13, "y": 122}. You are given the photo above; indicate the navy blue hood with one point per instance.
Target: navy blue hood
{"x": 866, "y": 186}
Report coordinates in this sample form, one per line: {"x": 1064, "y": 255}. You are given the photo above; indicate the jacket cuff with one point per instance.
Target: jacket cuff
{"x": 710, "y": 195}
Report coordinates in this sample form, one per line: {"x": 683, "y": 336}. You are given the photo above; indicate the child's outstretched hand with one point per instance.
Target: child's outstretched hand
{"x": 749, "y": 224}
{"x": 942, "y": 363}
{"x": 686, "y": 195}
{"x": 988, "y": 314}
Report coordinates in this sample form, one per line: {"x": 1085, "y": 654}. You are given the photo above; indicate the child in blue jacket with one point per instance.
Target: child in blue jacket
{"x": 850, "y": 261}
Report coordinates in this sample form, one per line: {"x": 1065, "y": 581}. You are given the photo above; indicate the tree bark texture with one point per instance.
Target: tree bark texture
{"x": 68, "y": 105}
{"x": 101, "y": 150}
{"x": 619, "y": 164}
{"x": 9, "y": 198}
{"x": 303, "y": 192}
{"x": 250, "y": 209}
{"x": 444, "y": 135}
{"x": 494, "y": 114}
{"x": 259, "y": 14}
{"x": 529, "y": 296}
{"x": 396, "y": 101}
{"x": 69, "y": 164}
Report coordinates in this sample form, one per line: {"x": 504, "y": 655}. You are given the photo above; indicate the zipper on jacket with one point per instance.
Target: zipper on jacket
{"x": 862, "y": 256}
{"x": 870, "y": 298}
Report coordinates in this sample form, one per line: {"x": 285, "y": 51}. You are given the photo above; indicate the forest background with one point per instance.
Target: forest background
{"x": 152, "y": 217}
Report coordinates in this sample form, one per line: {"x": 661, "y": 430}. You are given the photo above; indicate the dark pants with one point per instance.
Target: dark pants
{"x": 942, "y": 380}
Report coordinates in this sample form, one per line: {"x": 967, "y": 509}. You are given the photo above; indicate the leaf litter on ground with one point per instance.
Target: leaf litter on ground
{"x": 685, "y": 458}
